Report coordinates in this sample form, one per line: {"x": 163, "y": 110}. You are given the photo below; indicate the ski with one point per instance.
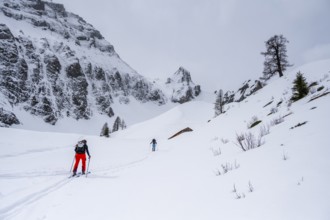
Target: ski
{"x": 79, "y": 174}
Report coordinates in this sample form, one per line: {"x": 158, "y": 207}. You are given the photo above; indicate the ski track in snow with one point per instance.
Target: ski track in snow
{"x": 13, "y": 209}
{"x": 33, "y": 152}
{"x": 110, "y": 169}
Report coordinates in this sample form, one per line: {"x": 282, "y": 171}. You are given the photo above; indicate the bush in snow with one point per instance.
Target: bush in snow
{"x": 216, "y": 152}
{"x": 284, "y": 156}
{"x": 264, "y": 130}
{"x": 248, "y": 141}
{"x": 251, "y": 188}
{"x": 277, "y": 121}
{"x": 225, "y": 168}
{"x": 224, "y": 141}
{"x": 273, "y": 110}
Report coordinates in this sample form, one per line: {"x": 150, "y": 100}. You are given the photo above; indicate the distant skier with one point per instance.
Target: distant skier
{"x": 154, "y": 143}
{"x": 80, "y": 149}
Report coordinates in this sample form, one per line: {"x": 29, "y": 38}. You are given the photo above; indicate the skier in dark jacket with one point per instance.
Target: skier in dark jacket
{"x": 80, "y": 149}
{"x": 154, "y": 143}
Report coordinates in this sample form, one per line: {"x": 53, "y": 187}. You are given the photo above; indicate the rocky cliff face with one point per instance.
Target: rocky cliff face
{"x": 248, "y": 88}
{"x": 53, "y": 64}
{"x": 183, "y": 88}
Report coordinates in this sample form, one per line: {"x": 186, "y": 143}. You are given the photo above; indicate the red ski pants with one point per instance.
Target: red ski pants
{"x": 79, "y": 157}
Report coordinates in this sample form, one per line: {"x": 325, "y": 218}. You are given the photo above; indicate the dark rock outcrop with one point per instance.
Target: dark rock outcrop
{"x": 184, "y": 90}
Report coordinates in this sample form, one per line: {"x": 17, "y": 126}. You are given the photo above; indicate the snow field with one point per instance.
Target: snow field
{"x": 286, "y": 178}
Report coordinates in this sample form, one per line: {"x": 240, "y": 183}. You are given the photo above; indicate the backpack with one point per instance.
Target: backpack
{"x": 80, "y": 148}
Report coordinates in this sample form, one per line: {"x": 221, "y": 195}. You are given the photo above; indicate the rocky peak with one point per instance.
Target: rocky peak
{"x": 182, "y": 76}
{"x": 182, "y": 86}
{"x": 54, "y": 18}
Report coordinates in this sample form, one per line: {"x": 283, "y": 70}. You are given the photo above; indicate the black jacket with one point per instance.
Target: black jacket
{"x": 82, "y": 150}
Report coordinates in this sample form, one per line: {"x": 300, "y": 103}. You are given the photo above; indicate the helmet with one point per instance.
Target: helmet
{"x": 84, "y": 141}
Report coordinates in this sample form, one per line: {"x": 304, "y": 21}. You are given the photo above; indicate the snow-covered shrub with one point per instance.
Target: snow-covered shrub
{"x": 273, "y": 110}
{"x": 247, "y": 141}
{"x": 277, "y": 120}
{"x": 251, "y": 188}
{"x": 325, "y": 77}
{"x": 216, "y": 152}
{"x": 240, "y": 195}
{"x": 264, "y": 130}
{"x": 284, "y": 156}
{"x": 225, "y": 168}
{"x": 224, "y": 141}
{"x": 312, "y": 90}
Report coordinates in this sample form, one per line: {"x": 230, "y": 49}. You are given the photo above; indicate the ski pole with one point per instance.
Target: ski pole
{"x": 89, "y": 159}
{"x": 72, "y": 164}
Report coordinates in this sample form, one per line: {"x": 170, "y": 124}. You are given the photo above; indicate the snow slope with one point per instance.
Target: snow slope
{"x": 192, "y": 176}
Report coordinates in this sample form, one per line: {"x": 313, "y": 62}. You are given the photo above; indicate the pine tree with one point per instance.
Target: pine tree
{"x": 116, "y": 124}
{"x": 275, "y": 56}
{"x": 300, "y": 87}
{"x": 110, "y": 112}
{"x": 105, "y": 130}
{"x": 123, "y": 124}
{"x": 219, "y": 103}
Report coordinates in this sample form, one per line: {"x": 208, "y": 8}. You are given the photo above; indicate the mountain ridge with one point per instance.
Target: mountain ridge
{"x": 56, "y": 65}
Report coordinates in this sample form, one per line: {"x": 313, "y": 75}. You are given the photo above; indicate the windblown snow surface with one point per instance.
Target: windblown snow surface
{"x": 198, "y": 175}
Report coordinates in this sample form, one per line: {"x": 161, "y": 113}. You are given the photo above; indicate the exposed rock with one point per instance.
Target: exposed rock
{"x": 70, "y": 70}
{"x": 7, "y": 118}
{"x": 184, "y": 90}
{"x": 13, "y": 71}
{"x": 180, "y": 132}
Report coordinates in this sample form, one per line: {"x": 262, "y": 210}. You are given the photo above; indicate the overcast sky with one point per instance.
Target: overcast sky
{"x": 218, "y": 41}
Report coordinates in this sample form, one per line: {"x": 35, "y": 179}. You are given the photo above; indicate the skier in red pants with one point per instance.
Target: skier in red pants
{"x": 80, "y": 149}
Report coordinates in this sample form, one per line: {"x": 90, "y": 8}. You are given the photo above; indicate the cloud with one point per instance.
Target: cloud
{"x": 214, "y": 39}
{"x": 317, "y": 52}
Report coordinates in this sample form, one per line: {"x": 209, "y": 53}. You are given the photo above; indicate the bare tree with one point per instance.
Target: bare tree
{"x": 275, "y": 56}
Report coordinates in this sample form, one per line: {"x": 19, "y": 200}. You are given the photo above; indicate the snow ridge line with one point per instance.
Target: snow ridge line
{"x": 14, "y": 208}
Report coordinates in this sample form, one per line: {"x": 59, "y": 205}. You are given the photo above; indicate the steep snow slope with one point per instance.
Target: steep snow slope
{"x": 192, "y": 176}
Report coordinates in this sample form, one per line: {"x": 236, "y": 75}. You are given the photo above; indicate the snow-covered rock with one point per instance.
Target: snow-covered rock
{"x": 55, "y": 65}
{"x": 182, "y": 86}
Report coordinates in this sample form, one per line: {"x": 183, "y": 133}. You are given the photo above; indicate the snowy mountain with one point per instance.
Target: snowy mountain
{"x": 201, "y": 174}
{"x": 182, "y": 87}
{"x": 56, "y": 66}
